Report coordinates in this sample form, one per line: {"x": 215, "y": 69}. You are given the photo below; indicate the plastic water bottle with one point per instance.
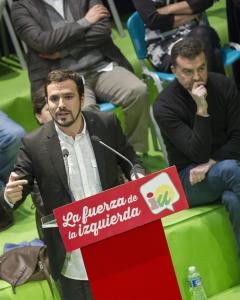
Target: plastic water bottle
{"x": 195, "y": 282}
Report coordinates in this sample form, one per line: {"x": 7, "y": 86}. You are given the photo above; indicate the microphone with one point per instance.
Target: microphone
{"x": 65, "y": 154}
{"x": 97, "y": 139}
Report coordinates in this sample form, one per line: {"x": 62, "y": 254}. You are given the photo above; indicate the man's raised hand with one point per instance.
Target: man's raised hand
{"x": 14, "y": 187}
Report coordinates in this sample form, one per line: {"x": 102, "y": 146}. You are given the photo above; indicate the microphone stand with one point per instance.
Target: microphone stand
{"x": 97, "y": 139}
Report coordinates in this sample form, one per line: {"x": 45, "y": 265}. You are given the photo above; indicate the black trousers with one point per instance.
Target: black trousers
{"x": 71, "y": 289}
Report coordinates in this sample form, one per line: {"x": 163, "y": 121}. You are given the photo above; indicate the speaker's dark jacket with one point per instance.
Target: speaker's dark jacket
{"x": 41, "y": 158}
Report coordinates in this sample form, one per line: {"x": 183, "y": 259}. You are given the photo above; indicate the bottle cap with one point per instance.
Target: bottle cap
{"x": 192, "y": 269}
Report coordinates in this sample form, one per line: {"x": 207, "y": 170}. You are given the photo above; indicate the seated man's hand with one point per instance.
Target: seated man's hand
{"x": 199, "y": 173}
{"x": 199, "y": 94}
{"x": 96, "y": 13}
{"x": 14, "y": 187}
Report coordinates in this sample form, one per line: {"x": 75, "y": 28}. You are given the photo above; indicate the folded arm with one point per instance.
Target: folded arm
{"x": 170, "y": 16}
{"x": 31, "y": 29}
{"x": 99, "y": 34}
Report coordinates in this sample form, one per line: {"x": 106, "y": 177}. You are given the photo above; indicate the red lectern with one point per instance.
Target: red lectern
{"x": 122, "y": 240}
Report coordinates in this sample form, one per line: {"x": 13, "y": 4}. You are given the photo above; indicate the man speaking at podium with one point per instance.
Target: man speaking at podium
{"x": 68, "y": 165}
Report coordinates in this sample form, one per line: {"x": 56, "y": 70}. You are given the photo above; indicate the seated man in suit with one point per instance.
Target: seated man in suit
{"x": 76, "y": 35}
{"x": 89, "y": 169}
{"x": 10, "y": 137}
{"x": 198, "y": 115}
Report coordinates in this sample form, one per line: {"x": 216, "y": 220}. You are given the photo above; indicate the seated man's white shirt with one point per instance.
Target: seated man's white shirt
{"x": 57, "y": 5}
{"x": 8, "y": 202}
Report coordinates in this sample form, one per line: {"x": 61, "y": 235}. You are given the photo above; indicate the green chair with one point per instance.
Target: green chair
{"x": 203, "y": 237}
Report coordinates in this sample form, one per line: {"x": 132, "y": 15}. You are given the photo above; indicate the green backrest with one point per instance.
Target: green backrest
{"x": 217, "y": 19}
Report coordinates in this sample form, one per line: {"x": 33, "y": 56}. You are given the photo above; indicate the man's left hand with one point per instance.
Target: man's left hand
{"x": 199, "y": 173}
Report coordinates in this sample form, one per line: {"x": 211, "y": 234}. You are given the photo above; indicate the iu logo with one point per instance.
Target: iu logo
{"x": 159, "y": 193}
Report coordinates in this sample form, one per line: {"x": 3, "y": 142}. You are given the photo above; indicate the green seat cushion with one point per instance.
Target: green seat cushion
{"x": 203, "y": 237}
{"x": 24, "y": 228}
{"x": 37, "y": 290}
{"x": 230, "y": 294}
{"x": 217, "y": 19}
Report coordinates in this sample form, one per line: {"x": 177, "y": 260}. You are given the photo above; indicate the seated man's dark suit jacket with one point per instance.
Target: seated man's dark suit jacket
{"x": 41, "y": 158}
{"x": 33, "y": 26}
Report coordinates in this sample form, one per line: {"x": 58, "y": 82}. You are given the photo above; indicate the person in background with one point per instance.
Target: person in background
{"x": 77, "y": 36}
{"x": 198, "y": 115}
{"x": 90, "y": 168}
{"x": 167, "y": 21}
{"x": 40, "y": 107}
{"x": 10, "y": 137}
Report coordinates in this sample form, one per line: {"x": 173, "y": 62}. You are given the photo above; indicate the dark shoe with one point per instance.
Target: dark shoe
{"x": 6, "y": 219}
